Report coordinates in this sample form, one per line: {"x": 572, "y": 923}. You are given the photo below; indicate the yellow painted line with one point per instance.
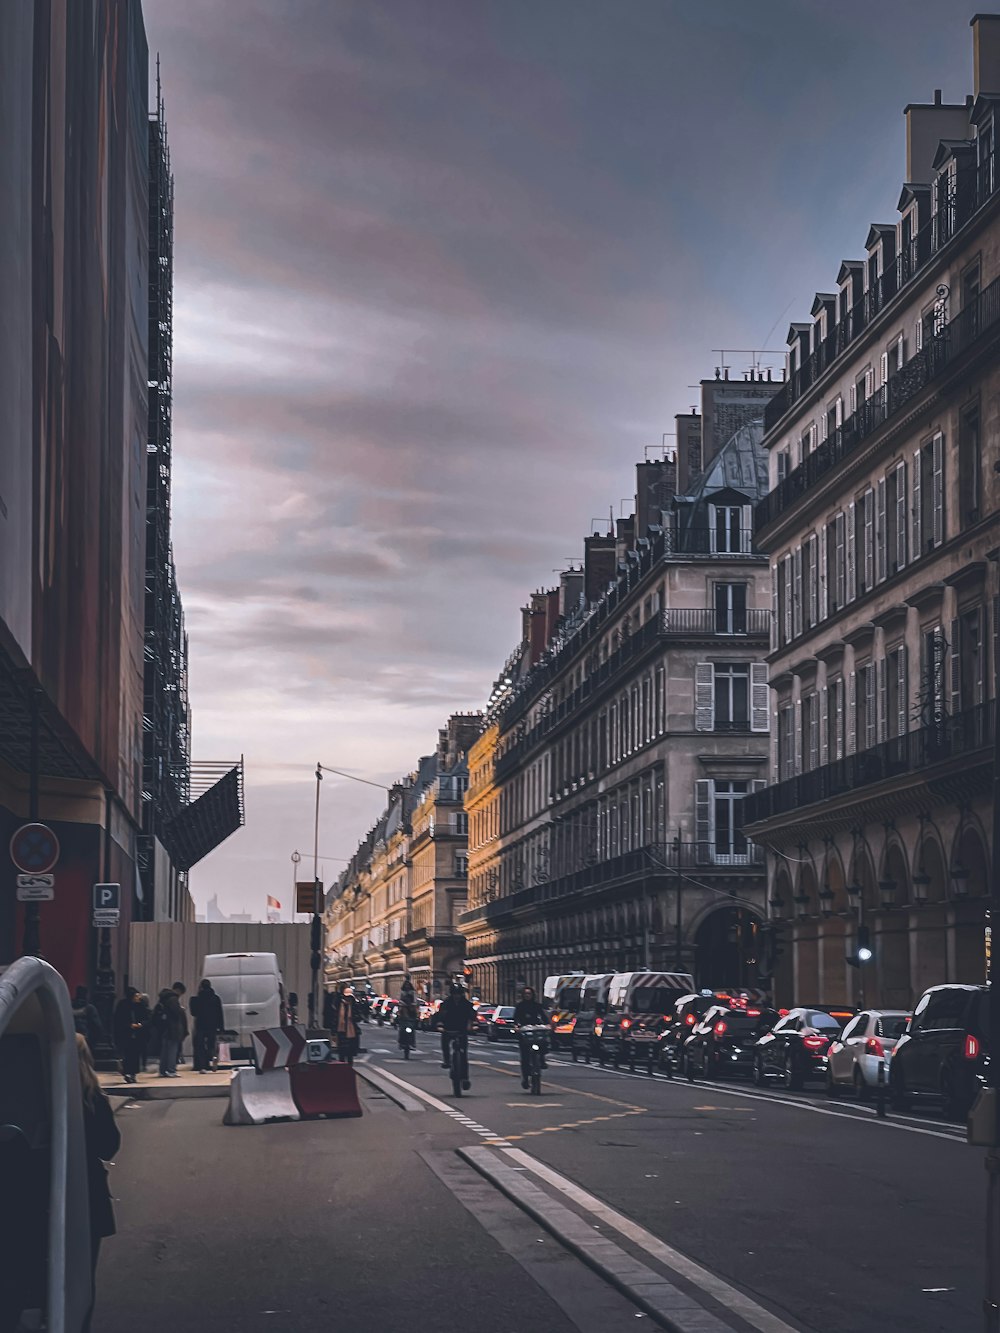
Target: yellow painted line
{"x": 574, "y": 1124}
{"x": 747, "y": 1110}
{"x": 594, "y": 1096}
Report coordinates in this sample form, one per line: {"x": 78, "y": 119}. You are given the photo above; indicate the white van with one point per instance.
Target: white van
{"x": 252, "y": 992}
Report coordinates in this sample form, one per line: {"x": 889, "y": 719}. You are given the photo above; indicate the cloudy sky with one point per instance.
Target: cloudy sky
{"x": 443, "y": 269}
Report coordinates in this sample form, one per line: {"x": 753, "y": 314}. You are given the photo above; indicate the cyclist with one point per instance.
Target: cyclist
{"x": 528, "y": 1012}
{"x": 457, "y": 1019}
{"x": 407, "y": 1012}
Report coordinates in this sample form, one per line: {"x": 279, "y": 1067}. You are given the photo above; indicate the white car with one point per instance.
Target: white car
{"x": 867, "y": 1040}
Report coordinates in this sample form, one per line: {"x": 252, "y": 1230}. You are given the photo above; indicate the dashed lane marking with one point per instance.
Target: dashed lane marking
{"x": 574, "y": 1124}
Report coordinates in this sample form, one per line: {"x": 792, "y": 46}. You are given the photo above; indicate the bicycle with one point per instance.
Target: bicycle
{"x": 406, "y": 1038}
{"x": 458, "y": 1062}
{"x": 537, "y": 1037}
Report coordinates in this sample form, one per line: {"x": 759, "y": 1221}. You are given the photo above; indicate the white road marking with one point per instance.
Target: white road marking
{"x": 755, "y": 1315}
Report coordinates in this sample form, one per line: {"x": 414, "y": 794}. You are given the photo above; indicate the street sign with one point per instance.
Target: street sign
{"x": 307, "y": 894}
{"x": 34, "y": 849}
{"x": 106, "y": 897}
{"x": 36, "y": 888}
{"x": 106, "y": 918}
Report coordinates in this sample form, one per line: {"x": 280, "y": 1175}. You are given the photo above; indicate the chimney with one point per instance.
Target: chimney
{"x": 571, "y": 586}
{"x": 536, "y": 623}
{"x": 599, "y": 564}
{"x": 689, "y": 457}
{"x": 626, "y": 536}
{"x": 986, "y": 53}
{"x": 926, "y": 125}
{"x": 655, "y": 488}
{"x": 551, "y": 614}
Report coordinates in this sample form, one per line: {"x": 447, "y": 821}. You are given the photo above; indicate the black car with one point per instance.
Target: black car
{"x": 689, "y": 1010}
{"x": 944, "y": 1054}
{"x": 723, "y": 1044}
{"x": 795, "y": 1050}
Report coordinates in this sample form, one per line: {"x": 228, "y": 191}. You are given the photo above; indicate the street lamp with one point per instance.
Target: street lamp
{"x": 887, "y": 893}
{"x": 801, "y": 900}
{"x": 921, "y": 883}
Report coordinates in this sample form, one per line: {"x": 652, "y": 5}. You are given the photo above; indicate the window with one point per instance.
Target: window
{"x": 969, "y": 465}
{"x": 966, "y": 661}
{"x": 836, "y": 572}
{"x": 810, "y": 732}
{"x": 971, "y": 285}
{"x": 896, "y": 693}
{"x": 895, "y": 520}
{"x": 945, "y": 1010}
{"x": 461, "y": 823}
{"x": 786, "y": 744}
{"x": 928, "y": 496}
{"x": 660, "y": 702}
{"x": 461, "y": 864}
{"x": 729, "y": 534}
{"x": 782, "y": 466}
{"x": 864, "y": 536}
{"x": 866, "y": 716}
{"x": 783, "y": 608}
{"x": 932, "y": 677}
{"x": 730, "y": 608}
{"x": 719, "y": 820}
{"x": 732, "y": 696}
{"x": 835, "y": 719}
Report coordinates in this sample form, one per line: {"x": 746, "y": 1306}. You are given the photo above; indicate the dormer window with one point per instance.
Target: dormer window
{"x": 730, "y": 529}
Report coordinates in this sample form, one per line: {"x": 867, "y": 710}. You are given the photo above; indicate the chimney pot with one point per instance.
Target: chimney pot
{"x": 937, "y": 96}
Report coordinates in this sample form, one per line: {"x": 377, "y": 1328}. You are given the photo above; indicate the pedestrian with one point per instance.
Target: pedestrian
{"x": 130, "y": 1032}
{"x": 147, "y": 1032}
{"x": 101, "y": 1141}
{"x": 170, "y": 1021}
{"x": 209, "y": 1020}
{"x": 345, "y": 1025}
{"x": 86, "y": 1019}
{"x": 180, "y": 990}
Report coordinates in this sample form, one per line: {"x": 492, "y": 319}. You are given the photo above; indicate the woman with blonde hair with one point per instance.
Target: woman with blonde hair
{"x": 102, "y": 1140}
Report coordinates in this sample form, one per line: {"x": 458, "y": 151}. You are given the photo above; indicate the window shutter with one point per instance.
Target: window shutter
{"x": 869, "y": 382}
{"x": 902, "y": 692}
{"x": 881, "y": 558}
{"x": 916, "y": 545}
{"x": 813, "y": 731}
{"x": 850, "y": 731}
{"x": 883, "y": 702}
{"x": 704, "y": 819}
{"x": 838, "y": 413}
{"x": 918, "y": 332}
{"x": 883, "y": 370}
{"x": 713, "y": 536}
{"x": 852, "y": 577}
{"x": 814, "y": 615}
{"x": 871, "y": 706}
{"x": 937, "y": 446}
{"x": 775, "y": 605}
{"x": 900, "y": 352}
{"x": 760, "y": 698}
{"x": 900, "y": 553}
{"x": 824, "y": 725}
{"x": 797, "y": 746}
{"x": 797, "y": 592}
{"x": 838, "y": 740}
{"x": 980, "y": 657}
{"x": 746, "y": 529}
{"x": 824, "y": 591}
{"x": 786, "y": 628}
{"x": 868, "y": 501}
{"x": 704, "y": 697}
{"x": 956, "y": 667}
{"x": 854, "y": 398}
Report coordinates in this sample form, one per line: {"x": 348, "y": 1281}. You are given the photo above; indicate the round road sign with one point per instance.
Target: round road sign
{"x": 34, "y": 849}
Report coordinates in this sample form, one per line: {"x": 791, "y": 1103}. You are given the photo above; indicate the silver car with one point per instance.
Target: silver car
{"x": 854, "y": 1057}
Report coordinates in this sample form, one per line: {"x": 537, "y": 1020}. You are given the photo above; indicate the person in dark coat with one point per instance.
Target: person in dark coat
{"x": 345, "y": 1016}
{"x": 130, "y": 1020}
{"x": 86, "y": 1019}
{"x": 171, "y": 1022}
{"x": 102, "y": 1140}
{"x": 209, "y": 1020}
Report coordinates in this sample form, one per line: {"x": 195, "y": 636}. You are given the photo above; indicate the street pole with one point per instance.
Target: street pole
{"x": 679, "y": 957}
{"x": 991, "y": 1303}
{"x": 104, "y": 991}
{"x": 32, "y": 911}
{"x": 317, "y": 921}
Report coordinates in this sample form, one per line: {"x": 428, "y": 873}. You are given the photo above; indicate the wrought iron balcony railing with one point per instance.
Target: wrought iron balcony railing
{"x": 981, "y": 316}
{"x": 951, "y": 738}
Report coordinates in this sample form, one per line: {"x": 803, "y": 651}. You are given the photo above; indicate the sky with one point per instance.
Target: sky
{"x": 444, "y": 271}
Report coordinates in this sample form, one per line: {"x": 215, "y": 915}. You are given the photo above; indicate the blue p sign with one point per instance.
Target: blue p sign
{"x": 107, "y": 895}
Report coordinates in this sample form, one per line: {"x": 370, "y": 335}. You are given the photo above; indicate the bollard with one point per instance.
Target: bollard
{"x": 880, "y": 1098}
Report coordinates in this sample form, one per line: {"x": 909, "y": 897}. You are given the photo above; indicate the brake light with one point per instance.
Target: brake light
{"x": 874, "y": 1047}
{"x": 782, "y": 1013}
{"x": 971, "y": 1047}
{"x": 719, "y": 1028}
{"x": 500, "y": 1022}
{"x": 598, "y": 1025}
{"x": 814, "y": 1043}
{"x": 753, "y": 1013}
{"x": 689, "y": 1020}
{"x": 626, "y": 1024}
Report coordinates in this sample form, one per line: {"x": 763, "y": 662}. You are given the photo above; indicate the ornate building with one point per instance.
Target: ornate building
{"x": 394, "y": 910}
{"x": 621, "y": 739}
{"x": 882, "y": 528}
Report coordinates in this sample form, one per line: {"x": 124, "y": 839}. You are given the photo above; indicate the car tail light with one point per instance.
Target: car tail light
{"x": 626, "y": 1024}
{"x": 598, "y": 1026}
{"x": 971, "y": 1047}
{"x": 782, "y": 1013}
{"x": 814, "y": 1043}
{"x": 500, "y": 1022}
{"x": 719, "y": 1028}
{"x": 690, "y": 1020}
{"x": 874, "y": 1047}
{"x": 753, "y": 1013}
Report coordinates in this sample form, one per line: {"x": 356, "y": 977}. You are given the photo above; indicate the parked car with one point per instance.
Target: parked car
{"x": 688, "y": 1010}
{"x": 484, "y": 1013}
{"x": 640, "y": 1008}
{"x": 723, "y": 1044}
{"x": 590, "y": 1019}
{"x": 944, "y": 1054}
{"x": 854, "y": 1057}
{"x": 501, "y": 1025}
{"x": 796, "y": 1048}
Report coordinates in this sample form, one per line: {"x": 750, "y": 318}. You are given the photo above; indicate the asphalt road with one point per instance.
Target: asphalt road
{"x": 832, "y": 1219}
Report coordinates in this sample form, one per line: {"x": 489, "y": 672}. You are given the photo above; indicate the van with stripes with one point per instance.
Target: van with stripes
{"x": 640, "y": 1006}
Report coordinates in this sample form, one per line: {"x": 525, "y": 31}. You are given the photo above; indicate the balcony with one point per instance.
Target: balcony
{"x": 955, "y": 338}
{"x": 953, "y": 738}
{"x": 973, "y": 189}
{"x": 646, "y": 864}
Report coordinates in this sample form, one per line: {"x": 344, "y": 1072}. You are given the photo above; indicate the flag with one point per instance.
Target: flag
{"x": 273, "y": 909}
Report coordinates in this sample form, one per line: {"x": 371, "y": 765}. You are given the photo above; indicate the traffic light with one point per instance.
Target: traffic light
{"x": 863, "y": 952}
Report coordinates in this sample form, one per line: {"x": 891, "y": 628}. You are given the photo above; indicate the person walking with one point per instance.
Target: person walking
{"x": 346, "y": 1018}
{"x": 170, "y": 1021}
{"x": 180, "y": 990}
{"x": 86, "y": 1019}
{"x": 130, "y": 1032}
{"x": 102, "y": 1140}
{"x": 147, "y": 1031}
{"x": 209, "y": 1020}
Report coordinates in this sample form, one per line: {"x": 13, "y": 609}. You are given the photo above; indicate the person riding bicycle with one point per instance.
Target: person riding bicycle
{"x": 528, "y": 1013}
{"x": 407, "y": 1013}
{"x": 456, "y": 1018}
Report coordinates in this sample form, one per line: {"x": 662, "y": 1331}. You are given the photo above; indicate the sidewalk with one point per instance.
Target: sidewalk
{"x": 151, "y": 1087}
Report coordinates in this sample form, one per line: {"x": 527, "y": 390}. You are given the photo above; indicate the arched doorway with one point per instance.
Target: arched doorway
{"x": 929, "y": 934}
{"x": 892, "y": 946}
{"x": 970, "y": 913}
{"x": 725, "y": 948}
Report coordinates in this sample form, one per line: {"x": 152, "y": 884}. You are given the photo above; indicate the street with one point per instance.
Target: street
{"x": 816, "y": 1212}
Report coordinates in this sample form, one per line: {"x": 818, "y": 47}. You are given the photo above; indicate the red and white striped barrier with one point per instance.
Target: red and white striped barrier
{"x": 278, "y": 1048}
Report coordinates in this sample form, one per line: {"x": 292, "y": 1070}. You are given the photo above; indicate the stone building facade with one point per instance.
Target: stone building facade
{"x": 882, "y": 528}
{"x": 395, "y": 909}
{"x": 606, "y": 789}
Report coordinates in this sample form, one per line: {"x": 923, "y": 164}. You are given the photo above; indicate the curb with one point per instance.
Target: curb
{"x": 152, "y": 1092}
{"x": 395, "y": 1094}
{"x": 671, "y": 1308}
